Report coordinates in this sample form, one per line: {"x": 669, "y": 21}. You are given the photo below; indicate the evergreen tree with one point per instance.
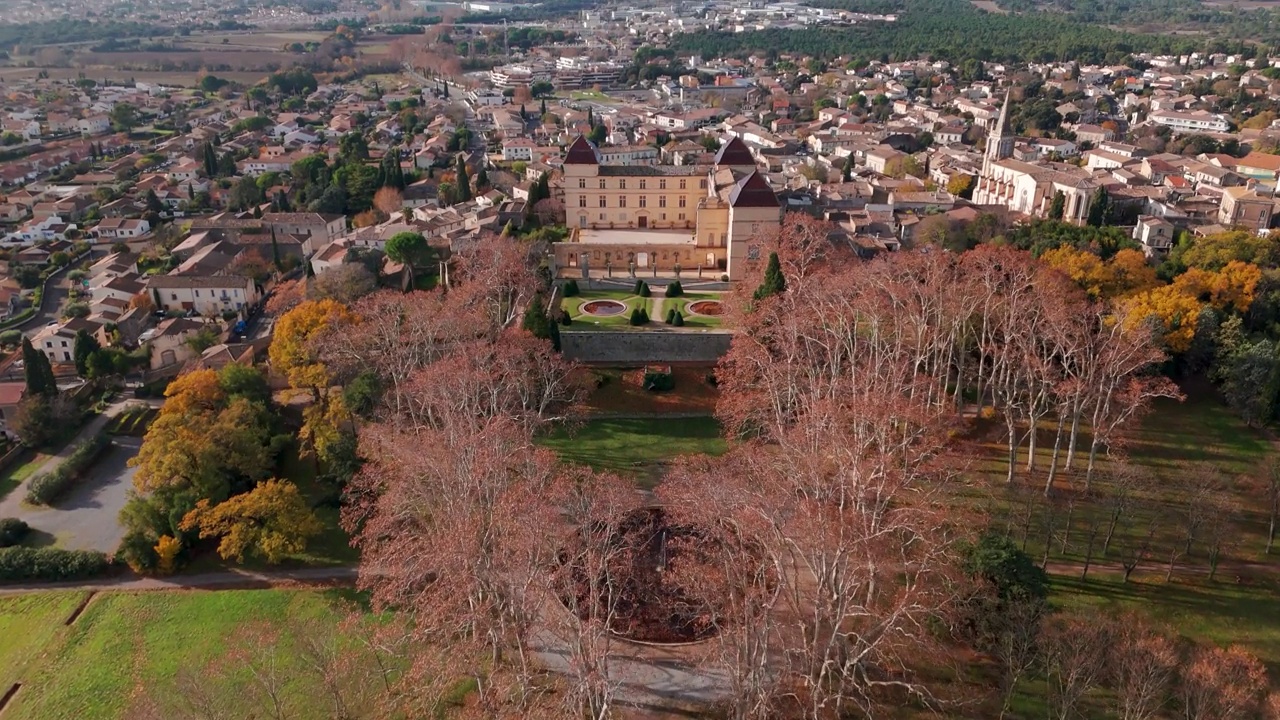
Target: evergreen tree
{"x": 210, "y": 159}
{"x": 1058, "y": 206}
{"x": 85, "y": 346}
{"x": 679, "y": 320}
{"x": 464, "y": 180}
{"x": 644, "y": 289}
{"x": 536, "y": 321}
{"x": 1099, "y": 208}
{"x": 591, "y": 118}
{"x": 153, "y": 202}
{"x": 275, "y": 252}
{"x": 671, "y": 315}
{"x": 523, "y": 116}
{"x": 846, "y": 174}
{"x": 40, "y": 379}
{"x": 774, "y": 282}
{"x": 543, "y": 112}
{"x": 555, "y": 336}
{"x": 482, "y": 179}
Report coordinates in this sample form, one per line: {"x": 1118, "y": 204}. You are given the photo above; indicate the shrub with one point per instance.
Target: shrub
{"x": 138, "y": 551}
{"x": 22, "y": 563}
{"x": 12, "y": 532}
{"x": 565, "y": 320}
{"x": 644, "y": 289}
{"x": 571, "y": 288}
{"x": 644, "y": 316}
{"x": 639, "y": 286}
{"x": 10, "y": 338}
{"x": 76, "y": 310}
{"x": 635, "y": 317}
{"x": 679, "y": 320}
{"x": 671, "y": 315}
{"x": 44, "y": 489}
{"x": 724, "y": 278}
{"x": 675, "y": 289}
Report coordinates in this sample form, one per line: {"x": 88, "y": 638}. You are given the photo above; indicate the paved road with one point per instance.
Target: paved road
{"x": 88, "y": 517}
{"x": 225, "y": 579}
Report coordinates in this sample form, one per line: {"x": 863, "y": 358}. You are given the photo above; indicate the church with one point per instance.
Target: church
{"x": 700, "y": 221}
{"x": 1029, "y": 188}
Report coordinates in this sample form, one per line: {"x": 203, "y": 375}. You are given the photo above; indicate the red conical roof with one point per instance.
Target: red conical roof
{"x": 581, "y": 152}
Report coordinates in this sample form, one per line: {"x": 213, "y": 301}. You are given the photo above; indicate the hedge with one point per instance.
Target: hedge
{"x": 675, "y": 289}
{"x": 571, "y": 288}
{"x": 22, "y": 563}
{"x": 44, "y": 489}
{"x": 12, "y": 532}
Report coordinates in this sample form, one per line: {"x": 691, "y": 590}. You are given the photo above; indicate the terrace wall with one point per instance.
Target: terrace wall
{"x": 617, "y": 347}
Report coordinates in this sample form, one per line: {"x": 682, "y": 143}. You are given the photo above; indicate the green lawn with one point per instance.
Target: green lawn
{"x": 27, "y": 624}
{"x": 690, "y": 320}
{"x": 1223, "y": 613}
{"x": 638, "y": 448}
{"x": 14, "y": 476}
{"x": 125, "y": 643}
{"x": 572, "y": 305}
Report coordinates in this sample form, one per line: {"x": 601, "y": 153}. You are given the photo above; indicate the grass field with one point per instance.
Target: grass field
{"x": 124, "y": 643}
{"x": 637, "y": 448}
{"x": 28, "y": 464}
{"x": 582, "y": 321}
{"x": 691, "y": 320}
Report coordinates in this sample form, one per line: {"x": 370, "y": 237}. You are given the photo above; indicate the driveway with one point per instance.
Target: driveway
{"x": 87, "y": 518}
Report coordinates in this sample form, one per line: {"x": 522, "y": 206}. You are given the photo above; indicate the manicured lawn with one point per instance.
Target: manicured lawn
{"x": 690, "y": 320}
{"x": 28, "y": 464}
{"x": 125, "y": 643}
{"x": 27, "y": 624}
{"x": 581, "y": 321}
{"x": 638, "y": 447}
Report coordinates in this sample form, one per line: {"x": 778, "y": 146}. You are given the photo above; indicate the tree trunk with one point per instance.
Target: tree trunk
{"x": 1093, "y": 456}
{"x": 1215, "y": 556}
{"x": 1168, "y": 575}
{"x": 1271, "y": 527}
{"x": 1071, "y": 443}
{"x": 1088, "y": 552}
{"x": 1031, "y": 440}
{"x": 1066, "y": 530}
{"x": 1053, "y": 464}
{"x": 1013, "y": 446}
{"x": 1111, "y": 531}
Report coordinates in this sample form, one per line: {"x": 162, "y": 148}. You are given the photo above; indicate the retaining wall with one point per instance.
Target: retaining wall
{"x": 641, "y": 347}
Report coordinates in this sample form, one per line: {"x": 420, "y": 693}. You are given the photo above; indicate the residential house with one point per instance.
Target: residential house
{"x": 1244, "y": 207}
{"x": 112, "y": 229}
{"x": 203, "y": 295}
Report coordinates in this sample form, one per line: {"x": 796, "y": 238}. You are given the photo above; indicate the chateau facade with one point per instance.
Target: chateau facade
{"x": 708, "y": 221}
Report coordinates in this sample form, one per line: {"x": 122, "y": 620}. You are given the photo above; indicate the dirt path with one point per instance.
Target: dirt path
{"x": 220, "y": 580}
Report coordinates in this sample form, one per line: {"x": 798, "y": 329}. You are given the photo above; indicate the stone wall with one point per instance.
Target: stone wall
{"x": 641, "y": 347}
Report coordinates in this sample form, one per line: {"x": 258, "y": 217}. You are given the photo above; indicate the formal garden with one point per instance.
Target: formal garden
{"x": 639, "y": 307}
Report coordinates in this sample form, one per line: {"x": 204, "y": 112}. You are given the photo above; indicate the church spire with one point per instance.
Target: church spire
{"x": 1000, "y": 144}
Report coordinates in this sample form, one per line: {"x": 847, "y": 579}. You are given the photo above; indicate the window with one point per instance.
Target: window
{"x": 64, "y": 343}
{"x": 602, "y": 216}
{"x": 622, "y": 201}
{"x": 753, "y": 252}
{"x": 622, "y": 184}
{"x": 662, "y": 201}
{"x": 173, "y": 296}
{"x": 724, "y": 238}
{"x": 681, "y": 201}
{"x": 662, "y": 184}
{"x": 644, "y": 201}
{"x": 582, "y": 183}
{"x": 601, "y": 201}
{"x": 643, "y": 183}
{"x": 702, "y": 183}
{"x": 681, "y": 216}
{"x": 197, "y": 293}
{"x": 602, "y": 183}
{"x": 582, "y": 201}
{"x": 682, "y": 183}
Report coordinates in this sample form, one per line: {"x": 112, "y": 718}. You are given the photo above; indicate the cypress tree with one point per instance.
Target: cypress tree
{"x": 85, "y": 346}
{"x": 275, "y": 252}
{"x": 464, "y": 180}
{"x": 1058, "y": 206}
{"x": 774, "y": 282}
{"x": 40, "y": 379}
{"x": 671, "y": 315}
{"x": 679, "y": 321}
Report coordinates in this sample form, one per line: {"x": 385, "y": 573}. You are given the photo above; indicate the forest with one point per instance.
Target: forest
{"x": 953, "y": 30}
{"x": 1162, "y": 16}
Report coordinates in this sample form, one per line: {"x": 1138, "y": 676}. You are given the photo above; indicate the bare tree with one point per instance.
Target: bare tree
{"x": 1222, "y": 683}
{"x": 1272, "y": 479}
{"x": 1141, "y": 668}
{"x": 1074, "y": 656}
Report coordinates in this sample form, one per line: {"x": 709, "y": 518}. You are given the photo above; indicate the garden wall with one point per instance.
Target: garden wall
{"x": 637, "y": 348}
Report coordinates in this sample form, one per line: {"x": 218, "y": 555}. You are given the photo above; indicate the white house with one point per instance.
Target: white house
{"x": 518, "y": 149}
{"x": 207, "y": 296}
{"x": 95, "y": 125}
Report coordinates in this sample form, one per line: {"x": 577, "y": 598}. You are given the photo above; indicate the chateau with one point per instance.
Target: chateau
{"x": 655, "y": 217}
{"x": 1029, "y": 188}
